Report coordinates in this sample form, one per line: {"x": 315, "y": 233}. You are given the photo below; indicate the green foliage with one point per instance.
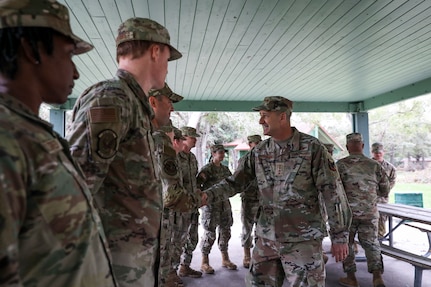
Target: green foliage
{"x": 404, "y": 128}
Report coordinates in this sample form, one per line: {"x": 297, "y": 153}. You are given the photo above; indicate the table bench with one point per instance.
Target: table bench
{"x": 416, "y": 217}
{"x": 424, "y": 228}
{"x": 419, "y": 262}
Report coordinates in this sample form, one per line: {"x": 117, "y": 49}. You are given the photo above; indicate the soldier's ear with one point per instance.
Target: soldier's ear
{"x": 152, "y": 101}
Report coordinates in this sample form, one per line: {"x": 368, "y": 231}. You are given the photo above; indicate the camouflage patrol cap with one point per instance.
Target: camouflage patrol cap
{"x": 40, "y": 13}
{"x": 135, "y": 29}
{"x": 178, "y": 135}
{"x": 275, "y": 103}
{"x": 217, "y": 147}
{"x": 357, "y": 137}
{"x": 376, "y": 147}
{"x": 254, "y": 139}
{"x": 166, "y": 91}
{"x": 189, "y": 132}
{"x": 329, "y": 147}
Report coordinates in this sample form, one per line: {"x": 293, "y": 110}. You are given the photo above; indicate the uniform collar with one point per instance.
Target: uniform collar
{"x": 20, "y": 108}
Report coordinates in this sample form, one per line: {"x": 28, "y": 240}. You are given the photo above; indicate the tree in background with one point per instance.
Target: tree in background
{"x": 404, "y": 129}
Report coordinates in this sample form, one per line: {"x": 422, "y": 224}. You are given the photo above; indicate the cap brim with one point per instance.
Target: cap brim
{"x": 260, "y": 108}
{"x": 175, "y": 98}
{"x": 175, "y": 54}
{"x": 81, "y": 45}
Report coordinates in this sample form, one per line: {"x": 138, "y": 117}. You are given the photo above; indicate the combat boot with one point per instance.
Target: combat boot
{"x": 246, "y": 260}
{"x": 205, "y": 266}
{"x": 377, "y": 279}
{"x": 186, "y": 271}
{"x": 226, "y": 261}
{"x": 174, "y": 280}
{"x": 349, "y": 281}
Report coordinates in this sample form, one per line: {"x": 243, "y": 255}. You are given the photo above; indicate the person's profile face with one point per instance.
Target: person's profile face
{"x": 57, "y": 72}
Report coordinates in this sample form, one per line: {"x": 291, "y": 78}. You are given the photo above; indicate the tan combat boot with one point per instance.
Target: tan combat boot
{"x": 377, "y": 279}
{"x": 226, "y": 261}
{"x": 349, "y": 281}
{"x": 174, "y": 279}
{"x": 186, "y": 271}
{"x": 246, "y": 260}
{"x": 205, "y": 266}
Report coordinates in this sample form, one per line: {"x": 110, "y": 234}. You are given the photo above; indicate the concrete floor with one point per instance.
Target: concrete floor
{"x": 397, "y": 273}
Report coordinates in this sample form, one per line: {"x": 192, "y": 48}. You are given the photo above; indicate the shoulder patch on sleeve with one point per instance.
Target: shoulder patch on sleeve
{"x": 107, "y": 144}
{"x": 104, "y": 115}
{"x": 170, "y": 167}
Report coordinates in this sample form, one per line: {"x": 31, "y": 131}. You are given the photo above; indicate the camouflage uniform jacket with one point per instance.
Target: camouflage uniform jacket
{"x": 251, "y": 192}
{"x": 391, "y": 173}
{"x": 290, "y": 181}
{"x": 210, "y": 175}
{"x": 175, "y": 196}
{"x": 189, "y": 170}
{"x": 364, "y": 180}
{"x": 111, "y": 137}
{"x": 50, "y": 233}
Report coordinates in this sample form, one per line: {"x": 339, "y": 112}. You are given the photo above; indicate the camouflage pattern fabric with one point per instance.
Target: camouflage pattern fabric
{"x": 249, "y": 209}
{"x": 50, "y": 233}
{"x": 41, "y": 13}
{"x": 175, "y": 198}
{"x": 391, "y": 173}
{"x": 189, "y": 169}
{"x": 289, "y": 184}
{"x": 290, "y": 179}
{"x": 302, "y": 263}
{"x": 143, "y": 29}
{"x": 364, "y": 180}
{"x": 217, "y": 214}
{"x": 111, "y": 137}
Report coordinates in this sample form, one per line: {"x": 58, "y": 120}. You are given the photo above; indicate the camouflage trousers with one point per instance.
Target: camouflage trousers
{"x": 300, "y": 263}
{"x": 367, "y": 235}
{"x": 191, "y": 224}
{"x": 174, "y": 235}
{"x": 179, "y": 237}
{"x": 382, "y": 225}
{"x": 213, "y": 219}
{"x": 165, "y": 246}
{"x": 249, "y": 210}
{"x": 136, "y": 263}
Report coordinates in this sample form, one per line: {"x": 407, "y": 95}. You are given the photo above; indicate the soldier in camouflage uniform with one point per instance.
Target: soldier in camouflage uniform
{"x": 249, "y": 208}
{"x": 391, "y": 172}
{"x": 364, "y": 180}
{"x": 216, "y": 215}
{"x": 292, "y": 169}
{"x": 189, "y": 233}
{"x": 111, "y": 137}
{"x": 50, "y": 233}
{"x": 175, "y": 197}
